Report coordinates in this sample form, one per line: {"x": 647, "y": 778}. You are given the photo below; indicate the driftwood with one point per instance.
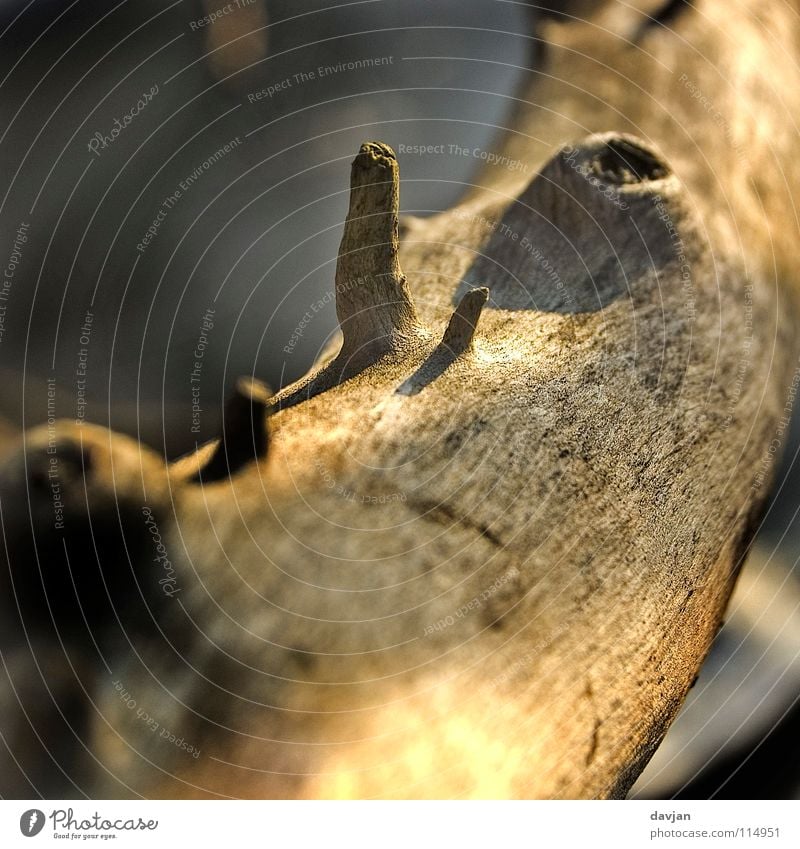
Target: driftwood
{"x": 486, "y": 545}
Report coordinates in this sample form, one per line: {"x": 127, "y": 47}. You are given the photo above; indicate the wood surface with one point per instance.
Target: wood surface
{"x": 487, "y": 544}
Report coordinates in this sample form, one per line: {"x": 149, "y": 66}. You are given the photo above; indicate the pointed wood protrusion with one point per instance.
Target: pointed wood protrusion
{"x": 245, "y": 436}
{"x": 460, "y": 330}
{"x": 373, "y": 302}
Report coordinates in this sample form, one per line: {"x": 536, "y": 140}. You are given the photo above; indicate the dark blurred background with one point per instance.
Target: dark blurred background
{"x": 181, "y": 183}
{"x": 254, "y": 237}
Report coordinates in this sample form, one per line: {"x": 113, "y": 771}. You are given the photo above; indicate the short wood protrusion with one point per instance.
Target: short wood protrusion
{"x": 460, "y": 330}
{"x": 245, "y": 436}
{"x": 456, "y": 341}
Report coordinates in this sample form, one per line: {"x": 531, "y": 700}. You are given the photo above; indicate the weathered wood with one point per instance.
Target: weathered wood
{"x": 244, "y": 432}
{"x": 496, "y": 572}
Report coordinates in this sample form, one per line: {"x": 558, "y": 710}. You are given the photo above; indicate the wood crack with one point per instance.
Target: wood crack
{"x": 445, "y": 514}
{"x": 594, "y": 739}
